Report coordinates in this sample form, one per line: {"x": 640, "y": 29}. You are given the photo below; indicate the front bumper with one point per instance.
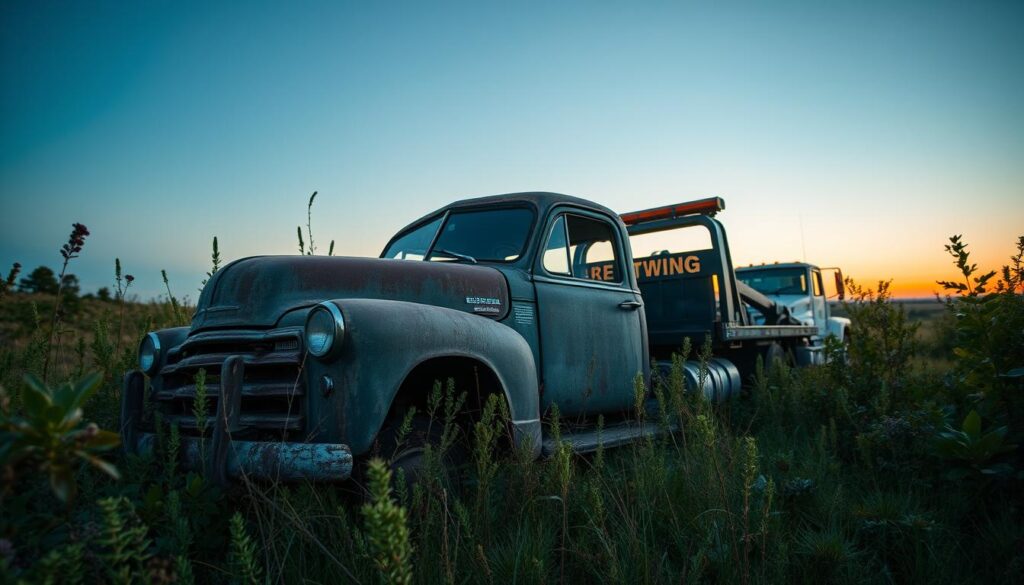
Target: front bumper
{"x": 221, "y": 456}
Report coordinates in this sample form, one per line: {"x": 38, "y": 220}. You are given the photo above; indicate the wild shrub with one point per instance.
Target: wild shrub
{"x": 972, "y": 450}
{"x": 309, "y": 231}
{"x": 48, "y": 434}
{"x": 881, "y": 348}
{"x": 179, "y": 317}
{"x": 386, "y": 529}
{"x": 989, "y": 346}
{"x": 244, "y": 566}
{"x": 8, "y": 283}
{"x": 215, "y": 261}
{"x": 123, "y": 546}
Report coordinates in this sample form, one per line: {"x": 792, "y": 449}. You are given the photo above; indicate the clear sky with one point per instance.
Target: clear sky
{"x": 880, "y": 127}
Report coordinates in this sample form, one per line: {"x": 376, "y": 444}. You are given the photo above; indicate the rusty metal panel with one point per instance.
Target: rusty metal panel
{"x": 256, "y": 292}
{"x": 267, "y": 460}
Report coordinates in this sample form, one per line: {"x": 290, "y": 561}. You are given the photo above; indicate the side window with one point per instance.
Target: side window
{"x": 592, "y": 249}
{"x": 819, "y": 290}
{"x": 556, "y": 253}
{"x": 583, "y": 248}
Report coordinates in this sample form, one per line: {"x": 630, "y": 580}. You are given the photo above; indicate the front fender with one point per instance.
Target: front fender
{"x": 838, "y": 326}
{"x": 385, "y": 340}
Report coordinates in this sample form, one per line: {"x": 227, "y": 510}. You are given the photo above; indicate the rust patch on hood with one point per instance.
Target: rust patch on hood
{"x": 256, "y": 292}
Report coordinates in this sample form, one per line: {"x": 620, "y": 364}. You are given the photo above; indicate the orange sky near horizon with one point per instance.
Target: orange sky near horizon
{"x": 916, "y": 277}
{"x": 901, "y": 245}
{"x": 856, "y": 135}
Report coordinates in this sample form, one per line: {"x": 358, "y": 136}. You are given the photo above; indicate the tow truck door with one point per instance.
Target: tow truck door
{"x": 591, "y": 317}
{"x": 818, "y": 303}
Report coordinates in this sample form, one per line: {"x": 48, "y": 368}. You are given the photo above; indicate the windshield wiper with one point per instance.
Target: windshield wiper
{"x": 455, "y": 255}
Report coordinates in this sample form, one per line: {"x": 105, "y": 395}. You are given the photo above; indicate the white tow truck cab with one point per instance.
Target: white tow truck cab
{"x": 800, "y": 287}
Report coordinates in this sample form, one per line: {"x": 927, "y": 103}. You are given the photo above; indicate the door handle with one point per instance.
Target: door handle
{"x": 630, "y": 305}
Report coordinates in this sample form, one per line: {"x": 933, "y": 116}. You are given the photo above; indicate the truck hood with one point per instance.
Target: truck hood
{"x": 258, "y": 291}
{"x": 799, "y": 308}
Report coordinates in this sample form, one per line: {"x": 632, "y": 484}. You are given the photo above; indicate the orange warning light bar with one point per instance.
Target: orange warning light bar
{"x": 709, "y": 206}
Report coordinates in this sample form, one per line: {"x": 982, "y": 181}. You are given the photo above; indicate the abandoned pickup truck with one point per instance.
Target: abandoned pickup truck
{"x": 534, "y": 297}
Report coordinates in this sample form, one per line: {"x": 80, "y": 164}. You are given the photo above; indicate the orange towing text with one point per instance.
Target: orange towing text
{"x": 650, "y": 267}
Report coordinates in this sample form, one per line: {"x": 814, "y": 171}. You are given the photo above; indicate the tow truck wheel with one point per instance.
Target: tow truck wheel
{"x": 772, "y": 354}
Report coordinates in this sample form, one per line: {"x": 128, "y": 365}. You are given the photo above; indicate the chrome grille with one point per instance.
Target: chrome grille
{"x": 272, "y": 389}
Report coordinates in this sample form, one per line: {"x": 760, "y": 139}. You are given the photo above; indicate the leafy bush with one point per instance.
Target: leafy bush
{"x": 989, "y": 344}
{"x": 972, "y": 450}
{"x": 50, "y": 434}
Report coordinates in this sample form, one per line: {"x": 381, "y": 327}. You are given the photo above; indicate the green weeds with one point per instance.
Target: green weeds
{"x": 871, "y": 469}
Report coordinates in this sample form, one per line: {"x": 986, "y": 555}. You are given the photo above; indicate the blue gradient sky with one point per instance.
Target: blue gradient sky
{"x": 882, "y": 128}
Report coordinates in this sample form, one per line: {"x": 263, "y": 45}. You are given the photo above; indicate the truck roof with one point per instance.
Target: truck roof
{"x": 539, "y": 200}
{"x": 776, "y": 265}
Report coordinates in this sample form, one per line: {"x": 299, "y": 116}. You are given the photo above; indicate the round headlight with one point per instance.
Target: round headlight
{"x": 149, "y": 354}
{"x": 325, "y": 329}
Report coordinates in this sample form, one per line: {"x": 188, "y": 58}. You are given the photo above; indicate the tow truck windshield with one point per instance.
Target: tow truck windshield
{"x": 776, "y": 281}
{"x": 492, "y": 235}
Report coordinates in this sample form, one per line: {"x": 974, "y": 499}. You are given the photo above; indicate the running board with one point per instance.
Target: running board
{"x": 616, "y": 435}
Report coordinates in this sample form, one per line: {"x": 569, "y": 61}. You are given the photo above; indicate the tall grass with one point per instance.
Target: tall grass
{"x": 826, "y": 474}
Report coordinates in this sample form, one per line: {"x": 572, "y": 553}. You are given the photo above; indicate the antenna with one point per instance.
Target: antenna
{"x": 803, "y": 244}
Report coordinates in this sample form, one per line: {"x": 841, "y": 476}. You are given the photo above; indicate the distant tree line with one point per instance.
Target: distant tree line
{"x": 44, "y": 280}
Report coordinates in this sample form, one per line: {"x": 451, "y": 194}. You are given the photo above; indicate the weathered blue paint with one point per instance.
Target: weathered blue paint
{"x": 386, "y": 340}
{"x": 592, "y": 332}
{"x": 263, "y": 460}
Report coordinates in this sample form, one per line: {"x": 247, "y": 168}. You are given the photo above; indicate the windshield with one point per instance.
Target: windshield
{"x": 493, "y": 235}
{"x": 776, "y": 281}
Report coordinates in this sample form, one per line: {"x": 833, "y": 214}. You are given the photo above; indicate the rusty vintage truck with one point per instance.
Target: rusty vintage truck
{"x": 310, "y": 361}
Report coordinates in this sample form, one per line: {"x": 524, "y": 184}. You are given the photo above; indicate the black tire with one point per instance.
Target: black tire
{"x": 773, "y": 353}
{"x": 406, "y": 456}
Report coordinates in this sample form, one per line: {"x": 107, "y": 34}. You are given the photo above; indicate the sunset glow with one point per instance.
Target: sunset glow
{"x": 846, "y": 135}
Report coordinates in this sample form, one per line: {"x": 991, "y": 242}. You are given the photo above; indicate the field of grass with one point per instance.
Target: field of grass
{"x": 901, "y": 464}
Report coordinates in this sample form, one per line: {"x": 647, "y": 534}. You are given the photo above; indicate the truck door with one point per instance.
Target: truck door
{"x": 818, "y": 303}
{"x": 591, "y": 318}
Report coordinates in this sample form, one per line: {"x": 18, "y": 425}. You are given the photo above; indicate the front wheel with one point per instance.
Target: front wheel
{"x": 774, "y": 354}
{"x": 412, "y": 452}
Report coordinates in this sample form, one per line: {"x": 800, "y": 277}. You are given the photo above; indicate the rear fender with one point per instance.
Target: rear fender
{"x": 385, "y": 340}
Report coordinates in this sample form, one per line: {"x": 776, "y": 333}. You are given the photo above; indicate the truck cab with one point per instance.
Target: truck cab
{"x": 587, "y": 336}
{"x": 800, "y": 287}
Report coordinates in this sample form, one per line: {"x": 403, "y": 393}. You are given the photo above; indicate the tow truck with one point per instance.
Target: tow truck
{"x": 312, "y": 364}
{"x": 686, "y": 278}
{"x": 800, "y": 288}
